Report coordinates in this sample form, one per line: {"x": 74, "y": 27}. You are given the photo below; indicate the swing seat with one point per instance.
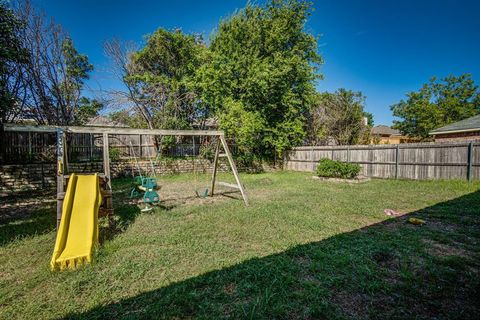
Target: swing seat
{"x": 199, "y": 193}
{"x": 149, "y": 183}
{"x": 151, "y": 196}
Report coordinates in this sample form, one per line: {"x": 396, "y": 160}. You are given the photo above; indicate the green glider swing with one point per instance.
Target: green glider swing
{"x": 146, "y": 185}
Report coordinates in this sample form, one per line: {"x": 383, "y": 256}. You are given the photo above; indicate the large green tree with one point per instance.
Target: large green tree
{"x": 87, "y": 109}
{"x": 339, "y": 118}
{"x": 437, "y": 103}
{"x": 259, "y": 78}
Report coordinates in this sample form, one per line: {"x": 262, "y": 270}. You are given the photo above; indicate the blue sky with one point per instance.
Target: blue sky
{"x": 382, "y": 48}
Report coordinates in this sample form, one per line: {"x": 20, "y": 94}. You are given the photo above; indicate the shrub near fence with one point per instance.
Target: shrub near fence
{"x": 336, "y": 169}
{"x": 405, "y": 161}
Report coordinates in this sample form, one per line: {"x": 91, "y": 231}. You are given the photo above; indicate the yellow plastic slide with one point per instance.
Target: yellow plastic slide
{"x": 77, "y": 234}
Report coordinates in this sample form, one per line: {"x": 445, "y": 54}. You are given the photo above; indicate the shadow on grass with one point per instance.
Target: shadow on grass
{"x": 124, "y": 216}
{"x": 30, "y": 223}
{"x": 392, "y": 269}
{"x": 26, "y": 213}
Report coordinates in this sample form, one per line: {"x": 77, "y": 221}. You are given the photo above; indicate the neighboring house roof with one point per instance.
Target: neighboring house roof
{"x": 385, "y": 130}
{"x": 26, "y": 121}
{"x": 101, "y": 121}
{"x": 465, "y": 125}
{"x": 206, "y": 123}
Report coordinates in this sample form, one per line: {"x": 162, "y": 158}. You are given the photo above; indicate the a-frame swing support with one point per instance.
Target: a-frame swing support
{"x": 222, "y": 143}
{"x": 105, "y": 132}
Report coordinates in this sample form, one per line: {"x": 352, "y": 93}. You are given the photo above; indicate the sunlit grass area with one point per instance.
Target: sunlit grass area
{"x": 304, "y": 249}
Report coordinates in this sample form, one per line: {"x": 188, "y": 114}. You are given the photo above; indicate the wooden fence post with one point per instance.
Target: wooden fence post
{"x": 91, "y": 146}
{"x": 311, "y": 160}
{"x": 29, "y": 144}
{"x": 348, "y": 153}
{"x": 370, "y": 161}
{"x": 470, "y": 161}
{"x": 3, "y": 153}
{"x": 397, "y": 152}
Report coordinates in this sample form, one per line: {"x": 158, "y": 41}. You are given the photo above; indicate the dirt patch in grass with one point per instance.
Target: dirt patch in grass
{"x": 445, "y": 250}
{"x": 386, "y": 259}
{"x": 175, "y": 194}
{"x": 303, "y": 261}
{"x": 352, "y": 304}
{"x": 441, "y": 226}
{"x": 230, "y": 288}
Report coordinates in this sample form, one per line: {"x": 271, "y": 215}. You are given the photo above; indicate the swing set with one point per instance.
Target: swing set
{"x": 82, "y": 198}
{"x": 149, "y": 184}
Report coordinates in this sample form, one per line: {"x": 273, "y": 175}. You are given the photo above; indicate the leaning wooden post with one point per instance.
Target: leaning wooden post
{"x": 60, "y": 172}
{"x": 215, "y": 164}
{"x": 234, "y": 168}
{"x": 470, "y": 161}
{"x": 106, "y": 160}
{"x": 107, "y": 194}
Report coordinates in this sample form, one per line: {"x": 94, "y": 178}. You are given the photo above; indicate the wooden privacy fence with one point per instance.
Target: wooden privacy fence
{"x": 405, "y": 161}
{"x": 39, "y": 147}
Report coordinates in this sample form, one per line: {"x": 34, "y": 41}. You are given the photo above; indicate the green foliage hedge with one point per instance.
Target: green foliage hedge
{"x": 337, "y": 169}
{"x": 114, "y": 154}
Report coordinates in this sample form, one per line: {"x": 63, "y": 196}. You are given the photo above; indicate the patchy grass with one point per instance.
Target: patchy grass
{"x": 303, "y": 250}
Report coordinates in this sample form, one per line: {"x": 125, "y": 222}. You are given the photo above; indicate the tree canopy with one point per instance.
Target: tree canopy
{"x": 259, "y": 78}
{"x": 42, "y": 74}
{"x": 162, "y": 74}
{"x": 436, "y": 104}
{"x": 12, "y": 53}
{"x": 339, "y": 118}
{"x": 256, "y": 75}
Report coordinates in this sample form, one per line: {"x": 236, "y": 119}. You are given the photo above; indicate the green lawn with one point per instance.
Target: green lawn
{"x": 304, "y": 249}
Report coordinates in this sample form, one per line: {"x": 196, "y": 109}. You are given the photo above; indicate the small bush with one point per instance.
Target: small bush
{"x": 114, "y": 154}
{"x": 249, "y": 162}
{"x": 207, "y": 151}
{"x": 337, "y": 169}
